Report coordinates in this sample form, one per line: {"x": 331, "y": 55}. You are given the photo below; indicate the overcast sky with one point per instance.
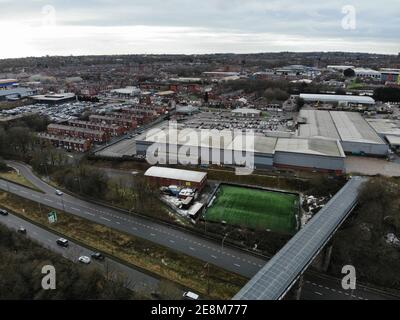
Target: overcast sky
{"x": 64, "y": 27}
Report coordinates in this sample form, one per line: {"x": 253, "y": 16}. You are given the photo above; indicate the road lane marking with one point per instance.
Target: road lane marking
{"x": 237, "y": 265}
{"x": 105, "y": 219}
{"x": 318, "y": 293}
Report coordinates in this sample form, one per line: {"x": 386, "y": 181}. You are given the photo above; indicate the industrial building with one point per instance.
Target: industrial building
{"x": 314, "y": 154}
{"x": 332, "y": 98}
{"x": 83, "y": 133}
{"x": 261, "y": 152}
{"x": 12, "y": 94}
{"x": 390, "y": 75}
{"x": 164, "y": 177}
{"x": 356, "y": 135}
{"x": 6, "y": 83}
{"x": 68, "y": 143}
{"x": 54, "y": 98}
{"x": 367, "y": 73}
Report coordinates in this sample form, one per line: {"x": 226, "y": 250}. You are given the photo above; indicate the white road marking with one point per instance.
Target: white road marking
{"x": 237, "y": 265}
{"x": 105, "y": 219}
{"x": 318, "y": 293}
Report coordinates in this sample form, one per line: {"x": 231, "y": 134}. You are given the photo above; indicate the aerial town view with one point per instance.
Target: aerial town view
{"x": 218, "y": 151}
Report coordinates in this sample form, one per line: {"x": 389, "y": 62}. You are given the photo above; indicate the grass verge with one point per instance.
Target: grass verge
{"x": 13, "y": 176}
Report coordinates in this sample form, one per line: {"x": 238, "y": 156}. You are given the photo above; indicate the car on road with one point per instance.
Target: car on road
{"x": 190, "y": 296}
{"x": 59, "y": 193}
{"x": 3, "y": 212}
{"x": 84, "y": 260}
{"x": 63, "y": 242}
{"x": 98, "y": 256}
{"x": 22, "y": 230}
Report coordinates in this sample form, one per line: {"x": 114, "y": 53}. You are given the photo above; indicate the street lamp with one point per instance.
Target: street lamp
{"x": 226, "y": 235}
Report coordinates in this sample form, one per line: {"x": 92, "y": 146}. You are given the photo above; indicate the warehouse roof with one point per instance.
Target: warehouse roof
{"x": 176, "y": 174}
{"x": 224, "y": 139}
{"x": 260, "y": 144}
{"x": 54, "y": 97}
{"x": 337, "y": 98}
{"x": 393, "y": 140}
{"x": 352, "y": 127}
{"x": 319, "y": 124}
{"x": 385, "y": 126}
{"x": 331, "y": 148}
{"x": 23, "y": 92}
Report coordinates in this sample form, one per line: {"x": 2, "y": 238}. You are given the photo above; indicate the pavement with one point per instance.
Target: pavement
{"x": 133, "y": 279}
{"x": 228, "y": 258}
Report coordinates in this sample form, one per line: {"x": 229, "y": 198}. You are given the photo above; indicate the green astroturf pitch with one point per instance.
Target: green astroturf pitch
{"x": 254, "y": 208}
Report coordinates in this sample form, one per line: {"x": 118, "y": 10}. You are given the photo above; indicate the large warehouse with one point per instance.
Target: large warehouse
{"x": 264, "y": 152}
{"x": 315, "y": 154}
{"x": 332, "y": 98}
{"x": 219, "y": 147}
{"x": 356, "y": 135}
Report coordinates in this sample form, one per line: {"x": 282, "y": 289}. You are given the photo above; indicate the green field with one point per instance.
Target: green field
{"x": 254, "y": 208}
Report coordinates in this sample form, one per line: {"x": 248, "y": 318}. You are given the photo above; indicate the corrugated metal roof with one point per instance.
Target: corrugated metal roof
{"x": 352, "y": 127}
{"x": 331, "y": 148}
{"x": 280, "y": 273}
{"x": 175, "y": 174}
{"x": 337, "y": 98}
{"x": 319, "y": 124}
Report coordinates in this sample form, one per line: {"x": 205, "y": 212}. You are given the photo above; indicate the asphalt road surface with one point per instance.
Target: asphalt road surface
{"x": 231, "y": 259}
{"x": 132, "y": 278}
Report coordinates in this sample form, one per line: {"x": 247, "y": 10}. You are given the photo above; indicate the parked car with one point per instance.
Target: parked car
{"x": 84, "y": 260}
{"x": 190, "y": 296}
{"x": 22, "y": 230}
{"x": 3, "y": 212}
{"x": 63, "y": 242}
{"x": 59, "y": 193}
{"x": 98, "y": 256}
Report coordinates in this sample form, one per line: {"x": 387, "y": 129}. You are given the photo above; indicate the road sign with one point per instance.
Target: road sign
{"x": 52, "y": 216}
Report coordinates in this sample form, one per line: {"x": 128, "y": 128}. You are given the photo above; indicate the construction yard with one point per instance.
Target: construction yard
{"x": 254, "y": 208}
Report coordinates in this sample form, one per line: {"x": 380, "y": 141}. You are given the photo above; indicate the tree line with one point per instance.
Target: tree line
{"x": 21, "y": 275}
